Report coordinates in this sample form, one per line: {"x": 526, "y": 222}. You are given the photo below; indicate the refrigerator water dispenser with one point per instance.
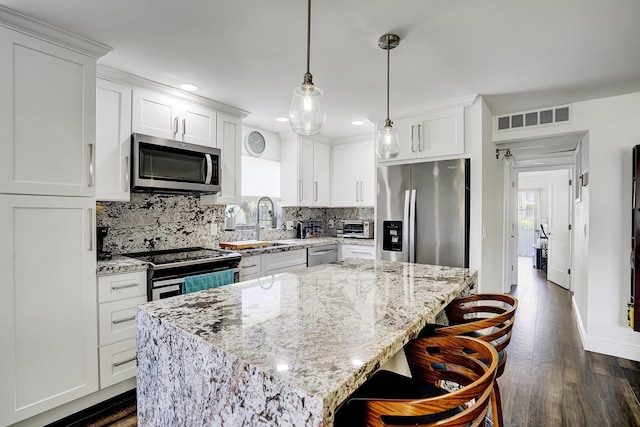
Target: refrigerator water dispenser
{"x": 392, "y": 236}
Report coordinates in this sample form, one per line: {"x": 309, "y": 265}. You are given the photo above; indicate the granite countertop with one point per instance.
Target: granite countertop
{"x": 123, "y": 264}
{"x": 119, "y": 264}
{"x": 313, "y": 335}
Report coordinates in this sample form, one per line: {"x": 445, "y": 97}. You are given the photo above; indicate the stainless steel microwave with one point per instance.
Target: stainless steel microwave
{"x": 357, "y": 228}
{"x": 168, "y": 166}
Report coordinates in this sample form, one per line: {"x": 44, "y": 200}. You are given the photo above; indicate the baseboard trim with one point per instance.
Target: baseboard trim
{"x": 599, "y": 345}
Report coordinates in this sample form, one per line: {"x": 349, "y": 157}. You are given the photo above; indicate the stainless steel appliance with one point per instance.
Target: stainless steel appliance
{"x": 322, "y": 255}
{"x": 168, "y": 268}
{"x": 422, "y": 213}
{"x": 357, "y": 228}
{"x": 164, "y": 165}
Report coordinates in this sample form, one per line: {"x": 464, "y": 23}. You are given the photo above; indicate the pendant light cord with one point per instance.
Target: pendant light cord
{"x": 388, "y": 62}
{"x": 308, "y": 79}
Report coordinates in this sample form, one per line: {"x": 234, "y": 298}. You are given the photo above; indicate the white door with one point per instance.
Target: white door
{"x": 367, "y": 173}
{"x": 198, "y": 125}
{"x": 154, "y": 114}
{"x": 305, "y": 172}
{"x": 559, "y": 259}
{"x": 345, "y": 174}
{"x": 321, "y": 174}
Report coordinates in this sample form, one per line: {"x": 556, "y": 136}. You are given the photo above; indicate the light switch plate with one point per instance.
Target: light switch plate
{"x": 289, "y": 225}
{"x": 213, "y": 229}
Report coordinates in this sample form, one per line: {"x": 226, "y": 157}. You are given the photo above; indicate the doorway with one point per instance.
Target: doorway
{"x": 544, "y": 217}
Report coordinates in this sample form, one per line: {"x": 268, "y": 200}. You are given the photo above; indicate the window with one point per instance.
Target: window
{"x": 528, "y": 219}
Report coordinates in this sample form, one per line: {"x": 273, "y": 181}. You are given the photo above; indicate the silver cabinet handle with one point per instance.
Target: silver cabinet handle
{"x": 330, "y": 251}
{"x": 316, "y": 190}
{"x": 356, "y": 191}
{"x": 126, "y": 319}
{"x": 361, "y": 191}
{"x": 250, "y": 266}
{"x": 130, "y": 285}
{"x": 91, "y": 229}
{"x": 175, "y": 125}
{"x": 126, "y": 173}
{"x": 91, "y": 164}
{"x": 184, "y": 127}
{"x": 300, "y": 187}
{"x": 420, "y": 143}
{"x": 115, "y": 365}
{"x": 413, "y": 145}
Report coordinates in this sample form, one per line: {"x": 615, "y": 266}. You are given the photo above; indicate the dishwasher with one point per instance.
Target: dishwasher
{"x": 322, "y": 255}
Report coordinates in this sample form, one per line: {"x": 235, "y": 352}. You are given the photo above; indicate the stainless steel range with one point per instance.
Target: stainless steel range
{"x": 168, "y": 268}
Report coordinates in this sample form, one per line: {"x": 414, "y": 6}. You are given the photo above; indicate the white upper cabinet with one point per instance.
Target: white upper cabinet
{"x": 305, "y": 172}
{"x": 47, "y": 117}
{"x": 113, "y": 141}
{"x": 230, "y": 143}
{"x": 166, "y": 117}
{"x": 440, "y": 133}
{"x": 353, "y": 174}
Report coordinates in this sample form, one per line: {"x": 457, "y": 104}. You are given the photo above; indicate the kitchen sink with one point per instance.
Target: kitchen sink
{"x": 272, "y": 244}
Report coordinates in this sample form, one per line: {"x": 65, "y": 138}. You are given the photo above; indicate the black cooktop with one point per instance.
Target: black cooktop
{"x": 185, "y": 256}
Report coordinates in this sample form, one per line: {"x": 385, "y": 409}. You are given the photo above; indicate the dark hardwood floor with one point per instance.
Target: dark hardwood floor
{"x": 549, "y": 379}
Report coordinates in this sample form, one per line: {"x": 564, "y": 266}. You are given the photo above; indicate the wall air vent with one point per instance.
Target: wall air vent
{"x": 532, "y": 119}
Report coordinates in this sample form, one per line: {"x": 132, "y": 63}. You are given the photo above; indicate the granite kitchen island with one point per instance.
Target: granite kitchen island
{"x": 282, "y": 350}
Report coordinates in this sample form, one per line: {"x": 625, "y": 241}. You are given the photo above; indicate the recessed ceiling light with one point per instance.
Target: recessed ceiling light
{"x": 537, "y": 163}
{"x": 282, "y": 119}
{"x": 189, "y": 87}
{"x": 357, "y": 122}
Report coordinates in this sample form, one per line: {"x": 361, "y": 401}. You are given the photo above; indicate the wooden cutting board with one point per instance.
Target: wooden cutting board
{"x": 244, "y": 244}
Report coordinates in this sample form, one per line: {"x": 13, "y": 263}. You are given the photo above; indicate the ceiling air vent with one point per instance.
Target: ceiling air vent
{"x": 537, "y": 118}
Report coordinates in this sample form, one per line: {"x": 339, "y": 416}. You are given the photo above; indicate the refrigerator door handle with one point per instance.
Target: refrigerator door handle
{"x": 412, "y": 227}
{"x": 405, "y": 226}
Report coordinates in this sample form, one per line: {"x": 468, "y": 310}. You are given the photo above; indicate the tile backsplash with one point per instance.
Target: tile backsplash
{"x": 163, "y": 221}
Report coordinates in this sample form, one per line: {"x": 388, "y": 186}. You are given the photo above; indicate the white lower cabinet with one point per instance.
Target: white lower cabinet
{"x": 48, "y": 310}
{"x": 118, "y": 296}
{"x": 357, "y": 251}
{"x": 280, "y": 262}
{"x": 250, "y": 267}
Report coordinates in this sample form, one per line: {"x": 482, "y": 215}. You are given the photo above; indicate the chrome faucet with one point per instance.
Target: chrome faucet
{"x": 273, "y": 215}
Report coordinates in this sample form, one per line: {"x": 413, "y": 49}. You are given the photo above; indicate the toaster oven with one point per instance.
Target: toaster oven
{"x": 360, "y": 229}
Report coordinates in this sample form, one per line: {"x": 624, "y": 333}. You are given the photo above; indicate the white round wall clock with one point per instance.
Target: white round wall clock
{"x": 255, "y": 143}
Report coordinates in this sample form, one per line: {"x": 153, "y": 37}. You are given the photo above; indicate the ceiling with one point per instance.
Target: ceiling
{"x": 250, "y": 54}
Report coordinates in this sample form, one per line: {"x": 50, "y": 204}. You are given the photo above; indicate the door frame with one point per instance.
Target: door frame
{"x": 510, "y": 197}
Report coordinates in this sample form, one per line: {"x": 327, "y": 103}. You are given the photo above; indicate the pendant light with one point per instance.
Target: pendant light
{"x": 306, "y": 115}
{"x": 387, "y": 142}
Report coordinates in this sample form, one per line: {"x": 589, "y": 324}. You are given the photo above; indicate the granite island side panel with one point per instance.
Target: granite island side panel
{"x": 284, "y": 349}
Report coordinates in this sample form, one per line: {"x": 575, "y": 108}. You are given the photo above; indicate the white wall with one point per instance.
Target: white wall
{"x": 261, "y": 174}
{"x": 603, "y": 221}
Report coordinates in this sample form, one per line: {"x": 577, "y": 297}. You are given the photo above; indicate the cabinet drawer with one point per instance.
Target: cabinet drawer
{"x": 121, "y": 286}
{"x": 282, "y": 260}
{"x": 250, "y": 267}
{"x": 357, "y": 251}
{"x": 117, "y": 362}
{"x": 117, "y": 320}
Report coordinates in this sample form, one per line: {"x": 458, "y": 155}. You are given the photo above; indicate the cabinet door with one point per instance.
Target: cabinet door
{"x": 305, "y": 172}
{"x": 357, "y": 251}
{"x": 154, "y": 114}
{"x": 113, "y": 141}
{"x": 346, "y": 190}
{"x": 48, "y": 309}
{"x": 197, "y": 125}
{"x": 367, "y": 173}
{"x": 229, "y": 142}
{"x": 47, "y": 117}
{"x": 407, "y": 133}
{"x": 321, "y": 174}
{"x": 441, "y": 133}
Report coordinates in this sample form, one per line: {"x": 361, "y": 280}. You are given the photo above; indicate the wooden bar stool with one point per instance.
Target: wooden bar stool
{"x": 489, "y": 317}
{"x": 388, "y": 398}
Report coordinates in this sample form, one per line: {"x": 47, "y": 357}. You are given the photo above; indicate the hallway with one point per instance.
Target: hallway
{"x": 549, "y": 380}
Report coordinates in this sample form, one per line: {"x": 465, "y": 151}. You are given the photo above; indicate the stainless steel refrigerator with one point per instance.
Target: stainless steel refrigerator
{"x": 422, "y": 213}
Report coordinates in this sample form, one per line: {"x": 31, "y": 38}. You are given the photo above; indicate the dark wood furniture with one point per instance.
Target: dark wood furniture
{"x": 388, "y": 398}
{"x": 489, "y": 317}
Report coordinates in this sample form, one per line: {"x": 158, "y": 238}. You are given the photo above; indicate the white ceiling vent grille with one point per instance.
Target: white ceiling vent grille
{"x": 534, "y": 119}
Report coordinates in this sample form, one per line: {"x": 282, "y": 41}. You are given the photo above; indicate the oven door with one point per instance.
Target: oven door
{"x": 161, "y": 289}
{"x": 162, "y": 164}
{"x": 171, "y": 287}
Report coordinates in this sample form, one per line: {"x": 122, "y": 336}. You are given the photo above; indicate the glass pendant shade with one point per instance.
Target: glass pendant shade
{"x": 387, "y": 143}
{"x": 307, "y": 115}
